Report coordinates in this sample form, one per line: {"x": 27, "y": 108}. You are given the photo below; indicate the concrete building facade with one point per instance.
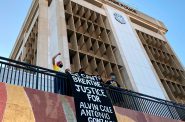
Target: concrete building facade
{"x": 103, "y": 36}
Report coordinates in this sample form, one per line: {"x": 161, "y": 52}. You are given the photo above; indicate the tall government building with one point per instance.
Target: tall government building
{"x": 103, "y": 36}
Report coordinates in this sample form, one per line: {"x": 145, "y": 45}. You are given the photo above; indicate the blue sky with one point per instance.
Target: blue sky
{"x": 13, "y": 13}
{"x": 171, "y": 13}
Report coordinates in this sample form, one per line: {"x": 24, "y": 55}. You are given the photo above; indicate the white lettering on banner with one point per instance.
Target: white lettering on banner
{"x": 92, "y": 93}
{"x": 105, "y": 109}
{"x": 89, "y": 106}
{"x": 90, "y": 119}
{"x": 86, "y": 81}
{"x": 93, "y": 98}
{"x": 97, "y": 114}
{"x": 90, "y": 90}
{"x": 94, "y": 78}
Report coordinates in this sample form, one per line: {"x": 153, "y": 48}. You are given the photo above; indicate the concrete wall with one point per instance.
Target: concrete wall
{"x": 57, "y": 34}
{"x": 18, "y": 104}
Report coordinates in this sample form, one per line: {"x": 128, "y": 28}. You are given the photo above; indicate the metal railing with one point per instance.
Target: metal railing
{"x": 144, "y": 103}
{"x": 35, "y": 77}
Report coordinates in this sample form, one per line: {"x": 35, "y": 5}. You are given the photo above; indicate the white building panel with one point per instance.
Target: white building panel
{"x": 139, "y": 67}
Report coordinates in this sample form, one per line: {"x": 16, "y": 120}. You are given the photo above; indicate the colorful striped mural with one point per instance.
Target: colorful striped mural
{"x": 126, "y": 115}
{"x": 3, "y": 99}
{"x": 18, "y": 107}
{"x": 18, "y": 104}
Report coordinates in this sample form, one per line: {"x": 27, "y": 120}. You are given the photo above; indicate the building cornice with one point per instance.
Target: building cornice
{"x": 135, "y": 14}
{"x": 132, "y": 13}
{"x": 24, "y": 28}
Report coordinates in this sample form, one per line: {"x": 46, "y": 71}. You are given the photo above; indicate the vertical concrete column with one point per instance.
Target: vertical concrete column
{"x": 42, "y": 42}
{"x": 62, "y": 34}
{"x": 134, "y": 56}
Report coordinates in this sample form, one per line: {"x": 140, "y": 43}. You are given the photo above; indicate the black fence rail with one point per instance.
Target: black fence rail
{"x": 30, "y": 76}
{"x": 144, "y": 103}
{"x": 26, "y": 75}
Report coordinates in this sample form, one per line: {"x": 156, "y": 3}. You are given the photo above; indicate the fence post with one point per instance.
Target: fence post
{"x": 134, "y": 102}
{"x": 108, "y": 93}
{"x": 169, "y": 110}
{"x": 37, "y": 78}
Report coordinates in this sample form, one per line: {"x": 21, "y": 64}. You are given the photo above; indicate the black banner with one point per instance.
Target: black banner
{"x": 91, "y": 101}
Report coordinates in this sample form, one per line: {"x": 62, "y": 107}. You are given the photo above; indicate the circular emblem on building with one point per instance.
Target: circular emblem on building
{"x": 119, "y": 18}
